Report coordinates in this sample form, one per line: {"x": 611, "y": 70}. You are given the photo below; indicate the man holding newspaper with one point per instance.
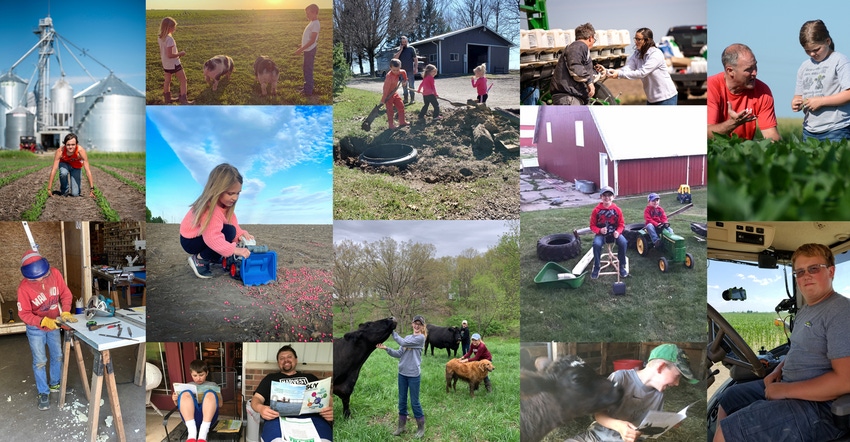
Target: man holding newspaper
{"x": 293, "y": 402}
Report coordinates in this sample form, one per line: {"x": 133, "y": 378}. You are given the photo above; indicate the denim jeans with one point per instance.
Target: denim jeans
{"x": 834, "y": 135}
{"x": 66, "y": 171}
{"x": 653, "y": 235}
{"x": 38, "y": 338}
{"x": 411, "y": 382}
{"x": 197, "y": 245}
{"x": 309, "y": 60}
{"x": 672, "y": 101}
{"x": 599, "y": 240}
{"x": 411, "y": 89}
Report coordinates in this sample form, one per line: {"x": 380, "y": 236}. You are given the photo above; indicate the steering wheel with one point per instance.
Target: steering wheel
{"x": 726, "y": 345}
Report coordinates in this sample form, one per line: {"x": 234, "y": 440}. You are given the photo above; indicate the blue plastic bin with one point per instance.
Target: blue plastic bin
{"x": 259, "y": 268}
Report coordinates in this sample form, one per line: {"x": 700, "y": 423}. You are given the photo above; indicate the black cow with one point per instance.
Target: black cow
{"x": 443, "y": 337}
{"x": 351, "y": 352}
{"x": 564, "y": 390}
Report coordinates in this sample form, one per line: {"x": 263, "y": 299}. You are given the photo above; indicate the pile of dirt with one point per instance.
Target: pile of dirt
{"x": 464, "y": 145}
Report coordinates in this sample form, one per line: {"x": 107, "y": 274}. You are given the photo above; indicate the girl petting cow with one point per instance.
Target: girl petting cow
{"x": 409, "y": 355}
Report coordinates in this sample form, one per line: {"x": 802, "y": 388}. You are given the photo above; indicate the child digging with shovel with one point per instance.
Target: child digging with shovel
{"x": 429, "y": 92}
{"x": 391, "y": 97}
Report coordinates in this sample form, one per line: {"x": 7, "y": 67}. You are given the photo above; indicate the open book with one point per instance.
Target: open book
{"x": 298, "y": 430}
{"x": 228, "y": 426}
{"x": 296, "y": 396}
{"x": 657, "y": 423}
{"x": 198, "y": 390}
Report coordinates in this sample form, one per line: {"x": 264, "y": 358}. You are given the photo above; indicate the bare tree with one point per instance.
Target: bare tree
{"x": 397, "y": 273}
{"x": 349, "y": 273}
{"x": 362, "y": 25}
{"x": 502, "y": 16}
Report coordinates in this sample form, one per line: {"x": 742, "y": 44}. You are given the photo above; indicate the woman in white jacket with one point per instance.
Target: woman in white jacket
{"x": 647, "y": 63}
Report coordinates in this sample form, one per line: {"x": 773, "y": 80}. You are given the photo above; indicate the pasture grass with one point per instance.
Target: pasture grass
{"x": 448, "y": 417}
{"x": 757, "y": 329}
{"x": 656, "y": 307}
{"x": 790, "y": 127}
{"x": 243, "y": 35}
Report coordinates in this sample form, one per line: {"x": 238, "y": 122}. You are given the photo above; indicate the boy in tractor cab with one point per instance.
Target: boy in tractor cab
{"x": 655, "y": 218}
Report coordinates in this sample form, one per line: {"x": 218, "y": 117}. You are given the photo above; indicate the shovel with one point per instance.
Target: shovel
{"x": 376, "y": 111}
{"x": 453, "y": 103}
{"x": 619, "y": 286}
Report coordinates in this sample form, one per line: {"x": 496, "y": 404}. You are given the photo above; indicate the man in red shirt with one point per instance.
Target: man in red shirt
{"x": 736, "y": 99}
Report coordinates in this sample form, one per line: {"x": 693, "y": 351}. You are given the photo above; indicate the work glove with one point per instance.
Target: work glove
{"x": 48, "y": 323}
{"x": 68, "y": 317}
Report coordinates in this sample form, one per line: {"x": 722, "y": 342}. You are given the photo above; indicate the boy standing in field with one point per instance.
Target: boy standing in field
{"x": 309, "y": 43}
{"x": 390, "y": 96}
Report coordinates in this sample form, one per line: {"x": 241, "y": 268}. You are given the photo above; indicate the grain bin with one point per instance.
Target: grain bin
{"x": 19, "y": 122}
{"x": 109, "y": 116}
{"x": 12, "y": 92}
{"x": 62, "y": 98}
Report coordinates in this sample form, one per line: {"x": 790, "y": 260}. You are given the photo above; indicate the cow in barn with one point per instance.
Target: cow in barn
{"x": 443, "y": 337}
{"x": 351, "y": 352}
{"x": 564, "y": 390}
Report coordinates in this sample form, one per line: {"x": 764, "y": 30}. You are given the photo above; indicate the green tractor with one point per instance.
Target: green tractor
{"x": 671, "y": 246}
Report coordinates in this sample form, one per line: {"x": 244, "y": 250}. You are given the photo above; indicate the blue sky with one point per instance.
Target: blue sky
{"x": 658, "y": 15}
{"x": 765, "y": 287}
{"x": 284, "y": 154}
{"x": 450, "y": 238}
{"x": 773, "y": 35}
{"x": 113, "y": 32}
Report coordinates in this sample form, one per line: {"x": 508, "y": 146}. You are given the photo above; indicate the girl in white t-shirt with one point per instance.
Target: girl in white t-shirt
{"x": 170, "y": 57}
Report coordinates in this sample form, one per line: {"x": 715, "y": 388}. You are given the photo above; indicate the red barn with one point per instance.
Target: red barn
{"x": 633, "y": 149}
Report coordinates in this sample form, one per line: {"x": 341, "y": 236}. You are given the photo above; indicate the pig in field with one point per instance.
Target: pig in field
{"x": 265, "y": 70}
{"x": 217, "y": 67}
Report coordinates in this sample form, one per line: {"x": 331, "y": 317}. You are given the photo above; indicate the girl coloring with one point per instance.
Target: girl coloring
{"x": 171, "y": 60}
{"x": 209, "y": 230}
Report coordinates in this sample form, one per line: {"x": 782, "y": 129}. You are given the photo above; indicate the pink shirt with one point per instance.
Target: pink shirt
{"x": 480, "y": 84}
{"x": 426, "y": 86}
{"x": 212, "y": 234}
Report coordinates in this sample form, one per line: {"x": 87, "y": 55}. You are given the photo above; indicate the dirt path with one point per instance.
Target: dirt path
{"x": 298, "y": 307}
{"x": 124, "y": 199}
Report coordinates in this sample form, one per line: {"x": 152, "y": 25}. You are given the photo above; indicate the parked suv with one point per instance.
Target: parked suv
{"x": 690, "y": 39}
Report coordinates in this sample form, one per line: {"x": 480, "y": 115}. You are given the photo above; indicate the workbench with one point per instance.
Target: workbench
{"x": 116, "y": 279}
{"x": 132, "y": 322}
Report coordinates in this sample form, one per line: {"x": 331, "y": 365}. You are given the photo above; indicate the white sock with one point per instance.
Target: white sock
{"x": 193, "y": 430}
{"x": 205, "y": 428}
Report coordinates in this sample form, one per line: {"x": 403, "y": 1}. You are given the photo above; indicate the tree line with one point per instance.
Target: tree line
{"x": 405, "y": 278}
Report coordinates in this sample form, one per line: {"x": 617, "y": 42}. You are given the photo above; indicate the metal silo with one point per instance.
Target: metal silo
{"x": 12, "y": 90}
{"x": 19, "y": 122}
{"x": 62, "y": 97}
{"x": 109, "y": 116}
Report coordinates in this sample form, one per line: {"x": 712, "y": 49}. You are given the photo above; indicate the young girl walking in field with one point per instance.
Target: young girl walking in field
{"x": 410, "y": 359}
{"x": 429, "y": 92}
{"x": 210, "y": 230}
{"x": 479, "y": 81}
{"x": 171, "y": 60}
{"x": 823, "y": 86}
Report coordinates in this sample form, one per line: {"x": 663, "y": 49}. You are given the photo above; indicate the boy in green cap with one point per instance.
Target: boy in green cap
{"x": 643, "y": 390}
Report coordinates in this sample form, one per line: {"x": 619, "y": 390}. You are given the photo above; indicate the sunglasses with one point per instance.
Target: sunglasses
{"x": 813, "y": 270}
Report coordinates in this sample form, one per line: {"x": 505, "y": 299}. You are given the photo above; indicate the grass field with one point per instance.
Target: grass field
{"x": 790, "y": 127}
{"x": 243, "y": 35}
{"x": 757, "y": 329}
{"x": 657, "y": 306}
{"x": 448, "y": 417}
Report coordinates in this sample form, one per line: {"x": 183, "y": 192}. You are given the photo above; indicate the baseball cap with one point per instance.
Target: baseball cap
{"x": 672, "y": 353}
{"x": 476, "y": 336}
{"x": 419, "y": 318}
{"x": 606, "y": 189}
{"x": 652, "y": 197}
{"x": 464, "y": 322}
{"x": 33, "y": 265}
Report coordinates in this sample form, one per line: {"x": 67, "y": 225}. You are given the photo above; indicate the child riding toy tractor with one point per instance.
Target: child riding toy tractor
{"x": 671, "y": 246}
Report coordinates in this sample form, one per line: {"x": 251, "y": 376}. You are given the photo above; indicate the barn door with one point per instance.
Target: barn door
{"x": 603, "y": 169}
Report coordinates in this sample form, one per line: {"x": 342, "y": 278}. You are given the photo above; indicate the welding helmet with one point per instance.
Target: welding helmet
{"x": 33, "y": 265}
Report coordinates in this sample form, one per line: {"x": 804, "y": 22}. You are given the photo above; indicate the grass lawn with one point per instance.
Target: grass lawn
{"x": 657, "y": 306}
{"x": 243, "y": 35}
{"x": 448, "y": 417}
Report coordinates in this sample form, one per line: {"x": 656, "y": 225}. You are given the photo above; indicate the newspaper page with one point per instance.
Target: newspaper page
{"x": 657, "y": 423}
{"x": 297, "y": 396}
{"x": 198, "y": 390}
{"x": 298, "y": 430}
